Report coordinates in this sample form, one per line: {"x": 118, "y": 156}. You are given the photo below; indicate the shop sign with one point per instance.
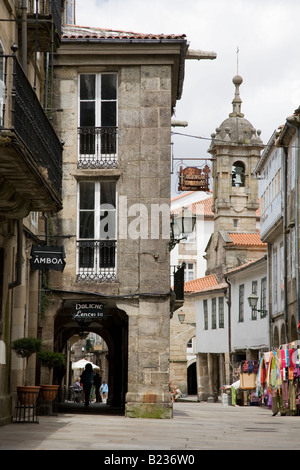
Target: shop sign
{"x": 194, "y": 179}
{"x": 88, "y": 311}
{"x": 47, "y": 257}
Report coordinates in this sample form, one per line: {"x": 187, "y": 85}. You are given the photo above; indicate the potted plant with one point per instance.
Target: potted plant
{"x": 50, "y": 359}
{"x": 24, "y": 348}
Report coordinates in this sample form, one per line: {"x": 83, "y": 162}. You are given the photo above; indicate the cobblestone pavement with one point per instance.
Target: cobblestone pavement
{"x": 195, "y": 426}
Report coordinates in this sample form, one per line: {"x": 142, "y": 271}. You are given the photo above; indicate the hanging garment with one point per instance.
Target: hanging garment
{"x": 285, "y": 394}
{"x": 283, "y": 358}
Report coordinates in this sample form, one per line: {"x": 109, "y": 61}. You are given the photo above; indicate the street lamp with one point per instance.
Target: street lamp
{"x": 181, "y": 317}
{"x": 252, "y": 300}
{"x": 182, "y": 224}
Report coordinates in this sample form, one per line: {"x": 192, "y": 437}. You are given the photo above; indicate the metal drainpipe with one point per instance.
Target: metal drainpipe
{"x": 296, "y": 220}
{"x": 24, "y": 35}
{"x": 18, "y": 280}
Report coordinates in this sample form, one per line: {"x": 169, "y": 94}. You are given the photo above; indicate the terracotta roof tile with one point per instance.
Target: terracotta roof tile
{"x": 201, "y": 284}
{"x": 202, "y": 207}
{"x": 85, "y": 32}
{"x": 250, "y": 239}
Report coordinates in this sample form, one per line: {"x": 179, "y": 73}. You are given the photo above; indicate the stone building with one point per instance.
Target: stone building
{"x": 102, "y": 205}
{"x": 278, "y": 174}
{"x": 30, "y": 176}
{"x": 117, "y": 92}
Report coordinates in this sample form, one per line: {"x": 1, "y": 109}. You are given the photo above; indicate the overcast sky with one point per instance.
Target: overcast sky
{"x": 267, "y": 34}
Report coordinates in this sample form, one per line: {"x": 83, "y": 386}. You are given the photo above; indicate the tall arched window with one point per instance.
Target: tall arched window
{"x": 238, "y": 174}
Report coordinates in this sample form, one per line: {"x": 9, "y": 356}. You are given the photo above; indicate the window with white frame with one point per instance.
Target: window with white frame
{"x": 97, "y": 130}
{"x": 263, "y": 298}
{"x": 241, "y": 302}
{"x": 213, "y": 313}
{"x": 96, "y": 231}
{"x": 221, "y": 312}
{"x": 253, "y": 310}
{"x": 189, "y": 272}
{"x": 205, "y": 314}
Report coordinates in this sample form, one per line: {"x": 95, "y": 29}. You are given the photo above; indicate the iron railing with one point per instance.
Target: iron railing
{"x": 33, "y": 128}
{"x": 97, "y": 147}
{"x": 47, "y": 7}
{"x": 96, "y": 260}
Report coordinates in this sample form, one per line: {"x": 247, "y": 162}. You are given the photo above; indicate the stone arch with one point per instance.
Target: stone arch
{"x": 113, "y": 328}
{"x": 238, "y": 174}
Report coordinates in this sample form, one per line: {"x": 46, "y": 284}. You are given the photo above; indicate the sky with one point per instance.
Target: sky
{"x": 266, "y": 34}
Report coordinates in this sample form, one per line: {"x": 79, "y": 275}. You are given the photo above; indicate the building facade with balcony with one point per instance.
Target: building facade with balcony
{"x": 277, "y": 171}
{"x": 30, "y": 176}
{"x": 117, "y": 92}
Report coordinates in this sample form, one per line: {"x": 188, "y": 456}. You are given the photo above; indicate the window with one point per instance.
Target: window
{"x": 190, "y": 347}
{"x": 205, "y": 314}
{"x": 263, "y": 298}
{"x": 70, "y": 12}
{"x": 254, "y": 291}
{"x": 97, "y": 129}
{"x": 221, "y": 312}
{"x": 189, "y": 272}
{"x": 96, "y": 238}
{"x": 214, "y": 313}
{"x": 241, "y": 303}
{"x": 238, "y": 174}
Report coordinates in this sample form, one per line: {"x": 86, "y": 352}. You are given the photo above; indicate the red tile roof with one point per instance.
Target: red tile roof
{"x": 202, "y": 207}
{"x": 85, "y": 32}
{"x": 203, "y": 284}
{"x": 250, "y": 239}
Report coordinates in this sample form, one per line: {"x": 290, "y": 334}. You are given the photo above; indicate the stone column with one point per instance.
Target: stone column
{"x": 148, "y": 359}
{"x": 202, "y": 377}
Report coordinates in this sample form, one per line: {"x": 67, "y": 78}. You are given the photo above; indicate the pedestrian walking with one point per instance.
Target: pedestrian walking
{"x": 86, "y": 379}
{"x": 104, "y": 391}
{"x": 97, "y": 383}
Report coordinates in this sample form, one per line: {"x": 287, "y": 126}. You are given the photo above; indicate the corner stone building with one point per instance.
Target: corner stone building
{"x": 115, "y": 94}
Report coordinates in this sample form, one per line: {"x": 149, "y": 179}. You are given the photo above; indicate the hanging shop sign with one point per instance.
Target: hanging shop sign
{"x": 47, "y": 257}
{"x": 88, "y": 311}
{"x": 194, "y": 179}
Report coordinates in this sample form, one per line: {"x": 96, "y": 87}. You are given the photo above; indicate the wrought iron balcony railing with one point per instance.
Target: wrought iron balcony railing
{"x": 30, "y": 123}
{"x": 97, "y": 147}
{"x": 45, "y": 8}
{"x": 96, "y": 260}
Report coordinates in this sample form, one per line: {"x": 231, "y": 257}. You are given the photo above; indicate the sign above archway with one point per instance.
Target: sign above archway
{"x": 83, "y": 311}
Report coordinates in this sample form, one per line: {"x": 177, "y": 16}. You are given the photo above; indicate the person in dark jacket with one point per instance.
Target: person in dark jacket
{"x": 86, "y": 379}
{"x": 97, "y": 383}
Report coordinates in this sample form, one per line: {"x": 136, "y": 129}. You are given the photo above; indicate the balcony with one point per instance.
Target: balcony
{"x": 97, "y": 147}
{"x": 43, "y": 24}
{"x": 96, "y": 260}
{"x": 30, "y": 151}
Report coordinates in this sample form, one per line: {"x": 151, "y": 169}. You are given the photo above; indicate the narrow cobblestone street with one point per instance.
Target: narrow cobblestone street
{"x": 195, "y": 426}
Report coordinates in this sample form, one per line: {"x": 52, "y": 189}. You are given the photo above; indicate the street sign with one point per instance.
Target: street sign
{"x": 194, "y": 179}
{"x": 47, "y": 257}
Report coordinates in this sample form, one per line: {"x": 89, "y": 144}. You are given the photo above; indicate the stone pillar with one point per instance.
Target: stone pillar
{"x": 148, "y": 359}
{"x": 202, "y": 377}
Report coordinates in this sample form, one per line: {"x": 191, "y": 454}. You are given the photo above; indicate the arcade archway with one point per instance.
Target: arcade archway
{"x": 113, "y": 328}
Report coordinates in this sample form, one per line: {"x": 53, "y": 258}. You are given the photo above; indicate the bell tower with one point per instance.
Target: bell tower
{"x": 236, "y": 148}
